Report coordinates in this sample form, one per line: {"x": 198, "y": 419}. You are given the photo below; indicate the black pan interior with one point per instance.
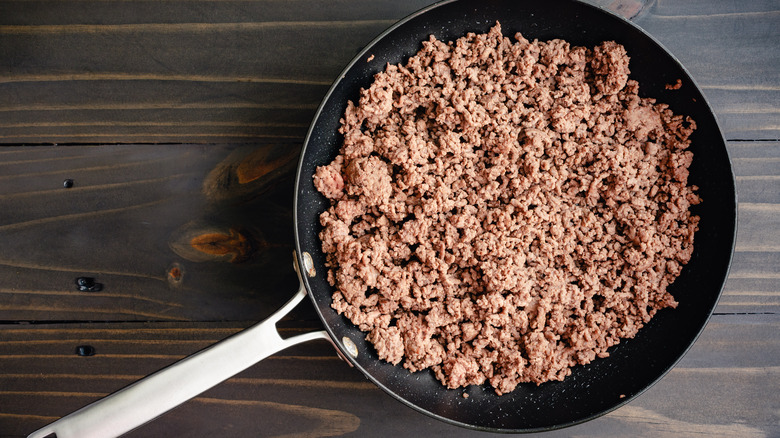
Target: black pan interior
{"x": 633, "y": 365}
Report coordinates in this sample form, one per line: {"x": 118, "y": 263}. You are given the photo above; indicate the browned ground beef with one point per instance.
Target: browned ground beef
{"x": 502, "y": 211}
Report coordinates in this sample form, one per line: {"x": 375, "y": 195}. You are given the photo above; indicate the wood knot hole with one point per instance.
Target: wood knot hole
{"x": 85, "y": 350}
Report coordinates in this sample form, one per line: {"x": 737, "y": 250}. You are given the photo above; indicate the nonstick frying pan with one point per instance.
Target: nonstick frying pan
{"x": 591, "y": 390}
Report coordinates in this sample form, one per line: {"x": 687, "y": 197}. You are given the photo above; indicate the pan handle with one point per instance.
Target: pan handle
{"x": 156, "y": 394}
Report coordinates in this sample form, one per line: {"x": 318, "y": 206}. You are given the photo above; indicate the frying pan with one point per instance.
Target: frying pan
{"x": 591, "y": 390}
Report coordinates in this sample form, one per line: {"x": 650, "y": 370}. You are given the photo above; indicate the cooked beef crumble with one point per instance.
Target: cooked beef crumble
{"x": 504, "y": 210}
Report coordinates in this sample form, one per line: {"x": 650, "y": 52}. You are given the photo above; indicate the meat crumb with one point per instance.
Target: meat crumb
{"x": 503, "y": 210}
{"x": 675, "y": 86}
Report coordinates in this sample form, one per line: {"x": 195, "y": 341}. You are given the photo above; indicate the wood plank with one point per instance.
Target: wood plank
{"x": 96, "y": 110}
{"x": 231, "y": 71}
{"x": 707, "y": 38}
{"x": 673, "y": 7}
{"x": 174, "y": 72}
{"x": 157, "y": 196}
{"x": 744, "y": 112}
{"x": 714, "y": 30}
{"x": 753, "y": 286}
{"x": 54, "y": 12}
{"x": 308, "y": 390}
{"x": 755, "y": 220}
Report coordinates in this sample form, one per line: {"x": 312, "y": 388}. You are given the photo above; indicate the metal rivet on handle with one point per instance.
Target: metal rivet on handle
{"x": 308, "y": 264}
{"x": 350, "y": 346}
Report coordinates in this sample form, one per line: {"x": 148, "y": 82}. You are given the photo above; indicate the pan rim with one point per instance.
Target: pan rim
{"x": 339, "y": 344}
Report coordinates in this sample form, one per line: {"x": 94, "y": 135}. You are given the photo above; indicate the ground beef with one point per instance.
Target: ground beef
{"x": 504, "y": 210}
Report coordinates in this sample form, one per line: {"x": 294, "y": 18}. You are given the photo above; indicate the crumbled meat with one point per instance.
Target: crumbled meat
{"x": 675, "y": 86}
{"x": 503, "y": 210}
{"x": 329, "y": 181}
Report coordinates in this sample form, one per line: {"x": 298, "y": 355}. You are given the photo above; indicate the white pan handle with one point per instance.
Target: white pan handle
{"x": 156, "y": 394}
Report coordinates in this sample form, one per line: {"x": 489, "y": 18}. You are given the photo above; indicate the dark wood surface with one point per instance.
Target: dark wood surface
{"x": 181, "y": 121}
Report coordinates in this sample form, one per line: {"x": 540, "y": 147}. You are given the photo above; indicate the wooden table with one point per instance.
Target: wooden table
{"x": 181, "y": 120}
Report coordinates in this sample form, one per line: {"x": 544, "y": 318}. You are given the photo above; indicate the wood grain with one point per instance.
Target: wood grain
{"x": 732, "y": 53}
{"x": 154, "y": 195}
{"x": 199, "y": 108}
{"x": 199, "y": 72}
{"x": 162, "y": 198}
{"x": 174, "y": 72}
{"x": 307, "y": 390}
